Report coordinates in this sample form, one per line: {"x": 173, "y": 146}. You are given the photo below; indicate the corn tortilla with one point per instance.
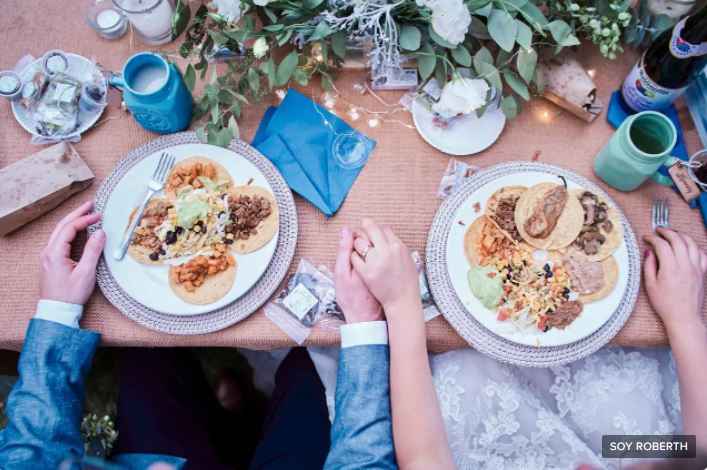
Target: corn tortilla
{"x": 214, "y": 287}
{"x": 613, "y": 238}
{"x": 222, "y": 175}
{"x": 266, "y": 229}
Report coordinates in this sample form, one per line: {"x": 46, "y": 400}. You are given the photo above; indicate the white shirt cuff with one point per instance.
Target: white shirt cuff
{"x": 364, "y": 334}
{"x": 59, "y": 312}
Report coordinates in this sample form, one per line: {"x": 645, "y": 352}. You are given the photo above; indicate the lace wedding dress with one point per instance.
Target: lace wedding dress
{"x": 505, "y": 417}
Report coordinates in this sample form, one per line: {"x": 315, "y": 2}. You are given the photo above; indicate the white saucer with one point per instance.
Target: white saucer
{"x": 466, "y": 136}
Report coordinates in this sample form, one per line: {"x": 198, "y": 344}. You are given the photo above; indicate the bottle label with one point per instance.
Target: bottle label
{"x": 682, "y": 49}
{"x": 641, "y": 93}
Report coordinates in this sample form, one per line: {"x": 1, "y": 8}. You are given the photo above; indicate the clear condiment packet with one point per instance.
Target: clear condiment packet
{"x": 308, "y": 299}
{"x": 456, "y": 174}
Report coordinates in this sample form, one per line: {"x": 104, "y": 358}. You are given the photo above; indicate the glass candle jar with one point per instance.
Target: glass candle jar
{"x": 152, "y": 19}
{"x": 106, "y": 20}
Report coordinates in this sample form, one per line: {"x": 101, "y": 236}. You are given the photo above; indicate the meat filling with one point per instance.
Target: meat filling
{"x": 564, "y": 315}
{"x": 246, "y": 213}
{"x": 596, "y": 221}
{"x": 546, "y": 213}
{"x": 504, "y": 216}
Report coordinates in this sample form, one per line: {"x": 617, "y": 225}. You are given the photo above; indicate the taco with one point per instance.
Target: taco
{"x": 253, "y": 218}
{"x": 145, "y": 246}
{"x": 197, "y": 172}
{"x": 602, "y": 230}
{"x": 591, "y": 280}
{"x": 484, "y": 243}
{"x": 547, "y": 218}
{"x": 204, "y": 279}
{"x": 500, "y": 209}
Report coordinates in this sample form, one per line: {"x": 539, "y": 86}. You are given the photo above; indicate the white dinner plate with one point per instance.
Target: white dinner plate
{"x": 80, "y": 68}
{"x": 148, "y": 284}
{"x": 467, "y": 135}
{"x": 594, "y": 315}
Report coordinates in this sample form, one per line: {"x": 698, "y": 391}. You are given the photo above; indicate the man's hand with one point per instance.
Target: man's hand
{"x": 63, "y": 279}
{"x": 352, "y": 295}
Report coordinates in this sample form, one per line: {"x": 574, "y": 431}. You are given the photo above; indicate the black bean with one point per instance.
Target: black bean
{"x": 179, "y": 230}
{"x": 162, "y": 252}
{"x": 548, "y": 274}
{"x": 221, "y": 214}
{"x": 228, "y": 241}
{"x": 170, "y": 238}
{"x": 154, "y": 256}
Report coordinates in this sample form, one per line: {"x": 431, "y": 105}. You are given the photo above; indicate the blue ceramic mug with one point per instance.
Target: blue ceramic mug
{"x": 155, "y": 93}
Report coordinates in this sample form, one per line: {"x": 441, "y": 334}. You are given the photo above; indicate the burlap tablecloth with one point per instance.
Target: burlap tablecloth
{"x": 397, "y": 186}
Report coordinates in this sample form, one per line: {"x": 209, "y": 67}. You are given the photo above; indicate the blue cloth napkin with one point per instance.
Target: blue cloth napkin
{"x": 618, "y": 111}
{"x": 298, "y": 137}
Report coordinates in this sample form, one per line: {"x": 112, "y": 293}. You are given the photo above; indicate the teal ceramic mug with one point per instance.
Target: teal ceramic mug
{"x": 636, "y": 151}
{"x": 155, "y": 93}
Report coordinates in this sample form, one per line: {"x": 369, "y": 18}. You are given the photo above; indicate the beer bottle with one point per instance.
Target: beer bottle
{"x": 666, "y": 67}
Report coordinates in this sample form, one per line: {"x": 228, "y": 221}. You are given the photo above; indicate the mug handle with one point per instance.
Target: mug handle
{"x": 116, "y": 80}
{"x": 662, "y": 179}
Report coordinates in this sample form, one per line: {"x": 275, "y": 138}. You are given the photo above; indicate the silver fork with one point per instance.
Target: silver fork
{"x": 153, "y": 186}
{"x": 660, "y": 214}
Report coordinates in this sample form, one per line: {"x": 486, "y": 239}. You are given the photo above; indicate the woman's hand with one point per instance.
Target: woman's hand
{"x": 352, "y": 295}
{"x": 62, "y": 278}
{"x": 674, "y": 272}
{"x": 385, "y": 264}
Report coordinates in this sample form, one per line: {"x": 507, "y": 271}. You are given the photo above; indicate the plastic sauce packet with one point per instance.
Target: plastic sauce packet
{"x": 308, "y": 299}
{"x": 456, "y": 174}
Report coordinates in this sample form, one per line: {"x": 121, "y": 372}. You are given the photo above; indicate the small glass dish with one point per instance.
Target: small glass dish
{"x": 106, "y": 20}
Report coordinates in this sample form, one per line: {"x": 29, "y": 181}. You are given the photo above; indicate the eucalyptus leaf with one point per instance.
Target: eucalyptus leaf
{"x": 224, "y": 137}
{"x": 509, "y": 106}
{"x": 284, "y": 37}
{"x": 524, "y": 36}
{"x": 180, "y": 19}
{"x": 502, "y": 58}
{"x": 321, "y": 31}
{"x": 233, "y": 125}
{"x": 516, "y": 84}
{"x": 461, "y": 56}
{"x": 526, "y": 62}
{"x": 268, "y": 68}
{"x": 286, "y": 68}
{"x": 190, "y": 77}
{"x": 201, "y": 134}
{"x": 474, "y": 5}
{"x": 490, "y": 73}
{"x": 483, "y": 55}
{"x": 312, "y": 4}
{"x": 562, "y": 33}
{"x": 503, "y": 29}
{"x": 439, "y": 39}
{"x": 253, "y": 80}
{"x": 269, "y": 13}
{"x": 274, "y": 28}
{"x": 512, "y": 5}
{"x": 301, "y": 77}
{"x": 426, "y": 61}
{"x": 338, "y": 44}
{"x": 478, "y": 29}
{"x": 534, "y": 17}
{"x": 539, "y": 80}
{"x": 410, "y": 38}
{"x": 485, "y": 10}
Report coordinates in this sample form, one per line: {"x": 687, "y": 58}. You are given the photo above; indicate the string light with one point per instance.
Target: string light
{"x": 591, "y": 73}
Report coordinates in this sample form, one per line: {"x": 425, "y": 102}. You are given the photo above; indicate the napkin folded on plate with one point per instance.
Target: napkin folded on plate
{"x": 298, "y": 137}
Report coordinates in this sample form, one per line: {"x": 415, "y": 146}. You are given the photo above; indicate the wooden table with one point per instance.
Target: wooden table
{"x": 397, "y": 186}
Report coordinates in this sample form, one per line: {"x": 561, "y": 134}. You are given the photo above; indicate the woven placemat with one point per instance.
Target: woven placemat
{"x": 243, "y": 306}
{"x": 474, "y": 332}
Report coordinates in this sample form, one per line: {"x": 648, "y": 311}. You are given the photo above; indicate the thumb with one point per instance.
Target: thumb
{"x": 92, "y": 251}
{"x": 650, "y": 269}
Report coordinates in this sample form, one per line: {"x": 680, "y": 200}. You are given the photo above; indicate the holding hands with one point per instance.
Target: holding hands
{"x": 374, "y": 269}
{"x": 63, "y": 279}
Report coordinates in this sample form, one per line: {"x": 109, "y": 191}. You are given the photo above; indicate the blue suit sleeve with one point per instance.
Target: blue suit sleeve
{"x": 45, "y": 407}
{"x": 362, "y": 433}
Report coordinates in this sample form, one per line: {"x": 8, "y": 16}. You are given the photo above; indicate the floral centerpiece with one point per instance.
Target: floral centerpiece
{"x": 278, "y": 42}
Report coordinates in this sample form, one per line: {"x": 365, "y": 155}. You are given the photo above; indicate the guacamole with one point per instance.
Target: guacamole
{"x": 488, "y": 290}
{"x": 190, "y": 208}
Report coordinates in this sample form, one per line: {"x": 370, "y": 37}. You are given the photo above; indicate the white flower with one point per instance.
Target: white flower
{"x": 461, "y": 96}
{"x": 260, "y": 48}
{"x": 450, "y": 19}
{"x": 229, "y": 10}
{"x": 262, "y": 3}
